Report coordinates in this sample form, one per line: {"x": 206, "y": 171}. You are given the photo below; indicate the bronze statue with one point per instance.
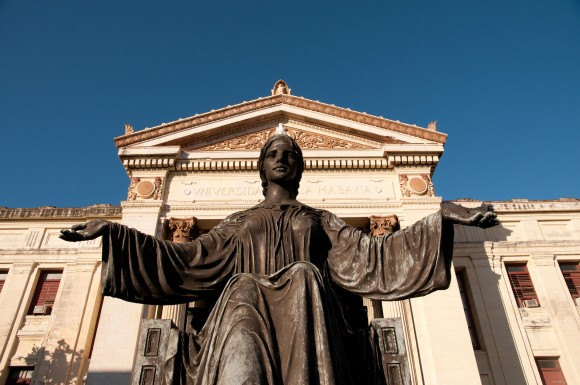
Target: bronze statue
{"x": 278, "y": 270}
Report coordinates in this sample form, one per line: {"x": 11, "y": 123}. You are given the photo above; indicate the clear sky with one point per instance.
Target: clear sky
{"x": 502, "y": 78}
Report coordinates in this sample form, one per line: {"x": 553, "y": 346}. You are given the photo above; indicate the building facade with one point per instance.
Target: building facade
{"x": 511, "y": 315}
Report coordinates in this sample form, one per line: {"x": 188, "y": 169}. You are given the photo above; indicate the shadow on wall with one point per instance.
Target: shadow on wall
{"x": 498, "y": 357}
{"x": 57, "y": 367}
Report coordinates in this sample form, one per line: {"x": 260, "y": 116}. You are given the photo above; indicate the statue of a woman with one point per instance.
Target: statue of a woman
{"x": 276, "y": 268}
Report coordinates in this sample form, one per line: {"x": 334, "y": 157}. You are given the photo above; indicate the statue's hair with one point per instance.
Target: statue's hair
{"x": 299, "y": 161}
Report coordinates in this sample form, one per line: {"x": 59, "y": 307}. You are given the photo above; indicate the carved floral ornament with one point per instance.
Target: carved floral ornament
{"x": 145, "y": 188}
{"x": 180, "y": 230}
{"x": 416, "y": 185}
{"x": 305, "y": 139}
{"x": 383, "y": 225}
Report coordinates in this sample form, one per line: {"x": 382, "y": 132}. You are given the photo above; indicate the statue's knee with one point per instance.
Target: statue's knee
{"x": 244, "y": 288}
{"x": 305, "y": 270}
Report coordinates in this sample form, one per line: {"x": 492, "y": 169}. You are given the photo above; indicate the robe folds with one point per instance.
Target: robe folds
{"x": 275, "y": 271}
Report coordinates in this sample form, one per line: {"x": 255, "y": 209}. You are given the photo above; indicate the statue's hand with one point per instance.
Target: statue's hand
{"x": 481, "y": 216}
{"x": 85, "y": 231}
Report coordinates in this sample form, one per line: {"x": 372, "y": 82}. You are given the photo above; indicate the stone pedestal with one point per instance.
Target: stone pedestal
{"x": 158, "y": 339}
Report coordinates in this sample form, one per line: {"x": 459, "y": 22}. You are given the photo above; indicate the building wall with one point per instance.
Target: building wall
{"x": 540, "y": 234}
{"x": 57, "y": 345}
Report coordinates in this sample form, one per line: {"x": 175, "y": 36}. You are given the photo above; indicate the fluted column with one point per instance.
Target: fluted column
{"x": 178, "y": 230}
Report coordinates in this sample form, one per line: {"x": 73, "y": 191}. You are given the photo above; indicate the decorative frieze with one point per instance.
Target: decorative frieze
{"x": 306, "y": 140}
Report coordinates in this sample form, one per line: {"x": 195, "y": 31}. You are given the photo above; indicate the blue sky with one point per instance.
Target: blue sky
{"x": 502, "y": 78}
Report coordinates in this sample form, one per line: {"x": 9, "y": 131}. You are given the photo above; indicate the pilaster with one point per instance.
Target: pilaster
{"x": 11, "y": 303}
{"x": 447, "y": 356}
{"x": 118, "y": 328}
{"x": 64, "y": 343}
{"x": 554, "y": 338}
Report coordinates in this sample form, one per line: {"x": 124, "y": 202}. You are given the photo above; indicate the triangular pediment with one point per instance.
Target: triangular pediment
{"x": 346, "y": 128}
{"x": 234, "y": 134}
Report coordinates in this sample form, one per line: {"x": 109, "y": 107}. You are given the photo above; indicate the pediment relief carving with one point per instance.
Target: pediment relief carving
{"x": 306, "y": 140}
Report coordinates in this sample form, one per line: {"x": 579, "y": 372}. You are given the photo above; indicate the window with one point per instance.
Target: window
{"x": 20, "y": 375}
{"x": 550, "y": 371}
{"x": 522, "y": 285}
{"x": 468, "y": 309}
{"x": 45, "y": 293}
{"x": 571, "y": 273}
{"x": 3, "y": 276}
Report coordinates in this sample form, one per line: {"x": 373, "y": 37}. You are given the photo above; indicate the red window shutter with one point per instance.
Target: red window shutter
{"x": 19, "y": 375}
{"x": 46, "y": 289}
{"x": 3, "y": 276}
{"x": 571, "y": 273}
{"x": 550, "y": 371}
{"x": 521, "y": 283}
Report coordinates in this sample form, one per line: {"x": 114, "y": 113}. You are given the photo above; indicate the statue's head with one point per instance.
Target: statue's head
{"x": 295, "y": 183}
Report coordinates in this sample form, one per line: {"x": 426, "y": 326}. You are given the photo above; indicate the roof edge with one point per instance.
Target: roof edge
{"x": 49, "y": 212}
{"x": 269, "y": 101}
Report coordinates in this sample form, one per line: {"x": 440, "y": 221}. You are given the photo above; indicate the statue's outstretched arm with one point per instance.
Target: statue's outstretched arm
{"x": 482, "y": 216}
{"x": 86, "y": 231}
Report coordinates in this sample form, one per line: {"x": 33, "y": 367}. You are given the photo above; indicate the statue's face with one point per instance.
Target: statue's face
{"x": 281, "y": 163}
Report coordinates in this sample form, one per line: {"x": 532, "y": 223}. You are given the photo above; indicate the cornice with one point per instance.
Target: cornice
{"x": 525, "y": 205}
{"x": 309, "y": 164}
{"x": 260, "y": 103}
{"x": 361, "y": 163}
{"x": 139, "y": 163}
{"x": 57, "y": 213}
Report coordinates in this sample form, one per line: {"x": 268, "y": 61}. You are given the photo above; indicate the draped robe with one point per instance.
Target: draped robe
{"x": 274, "y": 268}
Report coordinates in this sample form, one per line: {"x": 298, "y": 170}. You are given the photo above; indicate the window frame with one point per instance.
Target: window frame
{"x": 12, "y": 370}
{"x": 521, "y": 283}
{"x": 544, "y": 371}
{"x": 45, "y": 295}
{"x": 571, "y": 277}
{"x": 3, "y": 272}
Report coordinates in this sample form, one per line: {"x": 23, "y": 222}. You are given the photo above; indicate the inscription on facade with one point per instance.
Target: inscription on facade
{"x": 341, "y": 190}
{"x": 215, "y": 191}
{"x": 190, "y": 189}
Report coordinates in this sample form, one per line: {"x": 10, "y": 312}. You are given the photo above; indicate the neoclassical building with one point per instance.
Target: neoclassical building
{"x": 511, "y": 315}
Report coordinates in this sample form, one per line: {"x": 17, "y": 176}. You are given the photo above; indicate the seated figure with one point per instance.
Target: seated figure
{"x": 276, "y": 269}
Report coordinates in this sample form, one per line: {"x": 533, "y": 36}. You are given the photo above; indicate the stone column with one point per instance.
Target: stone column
{"x": 178, "y": 230}
{"x": 382, "y": 225}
